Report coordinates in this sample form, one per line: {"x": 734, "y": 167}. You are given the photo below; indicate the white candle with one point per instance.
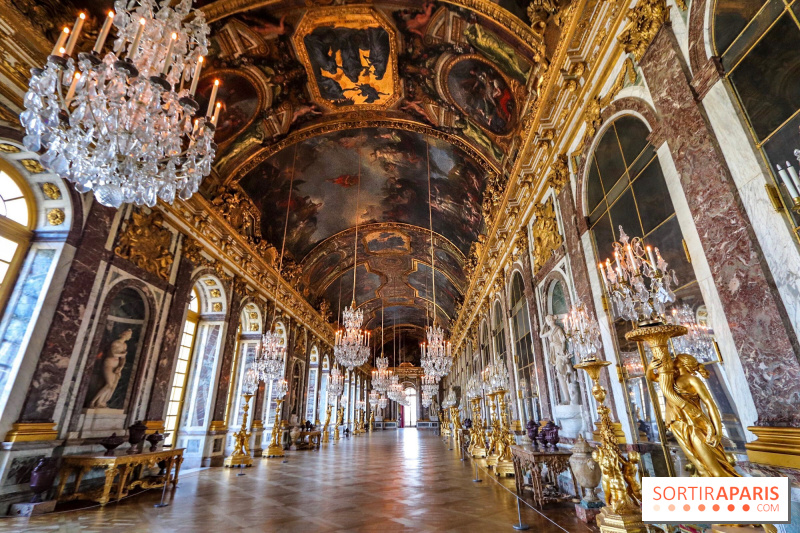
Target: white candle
{"x": 651, "y": 257}
{"x": 72, "y": 86}
{"x": 101, "y": 39}
{"x": 793, "y": 175}
{"x": 60, "y": 42}
{"x": 76, "y": 30}
{"x": 196, "y": 75}
{"x": 787, "y": 181}
{"x": 135, "y": 45}
{"x": 168, "y": 61}
{"x": 213, "y": 98}
{"x": 216, "y": 114}
{"x": 633, "y": 261}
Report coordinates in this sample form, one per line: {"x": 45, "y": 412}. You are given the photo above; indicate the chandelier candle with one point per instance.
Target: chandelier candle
{"x": 101, "y": 39}
{"x": 62, "y": 39}
{"x": 76, "y": 30}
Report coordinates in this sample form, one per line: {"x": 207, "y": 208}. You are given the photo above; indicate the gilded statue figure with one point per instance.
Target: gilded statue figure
{"x": 691, "y": 413}
{"x": 620, "y": 485}
{"x": 113, "y": 363}
{"x": 494, "y": 49}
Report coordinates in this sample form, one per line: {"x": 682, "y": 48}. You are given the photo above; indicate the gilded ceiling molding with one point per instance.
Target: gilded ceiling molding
{"x": 559, "y": 176}
{"x": 644, "y": 21}
{"x": 229, "y": 249}
{"x": 546, "y": 237}
{"x": 592, "y": 115}
{"x": 356, "y": 120}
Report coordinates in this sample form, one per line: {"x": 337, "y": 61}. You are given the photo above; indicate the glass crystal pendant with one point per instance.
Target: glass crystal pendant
{"x": 124, "y": 124}
{"x": 271, "y": 357}
{"x": 436, "y": 353}
{"x": 352, "y": 343}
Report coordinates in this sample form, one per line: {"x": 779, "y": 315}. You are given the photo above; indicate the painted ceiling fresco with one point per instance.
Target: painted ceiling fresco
{"x": 331, "y": 111}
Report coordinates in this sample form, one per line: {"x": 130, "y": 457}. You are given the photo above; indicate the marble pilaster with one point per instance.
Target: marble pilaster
{"x": 228, "y": 350}
{"x": 536, "y": 346}
{"x": 51, "y": 368}
{"x": 752, "y": 306}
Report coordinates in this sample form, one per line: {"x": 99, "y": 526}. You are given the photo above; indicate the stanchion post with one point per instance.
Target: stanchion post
{"x": 163, "y": 492}
{"x": 519, "y": 526}
{"x": 477, "y": 479}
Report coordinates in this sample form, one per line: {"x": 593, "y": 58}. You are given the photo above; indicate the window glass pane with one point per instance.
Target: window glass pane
{"x": 779, "y": 150}
{"x": 609, "y": 159}
{"x": 8, "y": 187}
{"x": 3, "y": 271}
{"x": 647, "y": 155}
{"x": 623, "y": 213}
{"x": 730, "y": 18}
{"x": 604, "y": 237}
{"x": 7, "y": 249}
{"x": 17, "y": 210}
{"x": 558, "y": 301}
{"x": 761, "y": 23}
{"x": 767, "y": 80}
{"x": 652, "y": 197}
{"x": 594, "y": 191}
{"x": 669, "y": 240}
{"x": 632, "y": 134}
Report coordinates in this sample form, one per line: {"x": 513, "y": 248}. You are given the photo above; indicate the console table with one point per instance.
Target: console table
{"x": 530, "y": 458}
{"x": 308, "y": 440}
{"x": 121, "y": 467}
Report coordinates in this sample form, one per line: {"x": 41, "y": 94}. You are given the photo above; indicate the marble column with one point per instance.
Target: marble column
{"x": 173, "y": 331}
{"x": 45, "y": 389}
{"x": 580, "y": 276}
{"x": 751, "y": 304}
{"x": 237, "y": 294}
{"x": 536, "y": 345}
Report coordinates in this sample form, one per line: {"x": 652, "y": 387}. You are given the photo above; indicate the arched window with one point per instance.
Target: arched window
{"x": 17, "y": 211}
{"x": 177, "y": 392}
{"x": 499, "y": 334}
{"x": 626, "y": 187}
{"x": 280, "y": 330}
{"x": 759, "y": 46}
{"x": 521, "y": 329}
{"x": 311, "y": 394}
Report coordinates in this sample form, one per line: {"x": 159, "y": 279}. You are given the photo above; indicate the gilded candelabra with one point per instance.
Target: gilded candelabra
{"x": 494, "y": 424}
{"x": 325, "y": 432}
{"x": 371, "y": 420}
{"x": 623, "y": 494}
{"x": 477, "y": 440}
{"x": 241, "y": 452}
{"x": 504, "y": 464}
{"x": 456, "y": 419}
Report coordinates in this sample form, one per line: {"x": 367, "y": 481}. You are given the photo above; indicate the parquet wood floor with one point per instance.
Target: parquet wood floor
{"x": 390, "y": 481}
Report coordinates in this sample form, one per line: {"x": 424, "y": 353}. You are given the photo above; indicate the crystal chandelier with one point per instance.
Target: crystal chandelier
{"x": 124, "y": 124}
{"x": 271, "y": 356}
{"x": 335, "y": 385}
{"x": 625, "y": 281}
{"x": 436, "y": 353}
{"x": 373, "y": 398}
{"x": 381, "y": 376}
{"x": 474, "y": 388}
{"x": 426, "y": 399}
{"x": 395, "y": 392}
{"x": 383, "y": 402}
{"x": 699, "y": 341}
{"x": 436, "y": 357}
{"x": 449, "y": 400}
{"x": 250, "y": 381}
{"x": 429, "y": 385}
{"x": 495, "y": 377}
{"x": 279, "y": 389}
{"x": 583, "y": 333}
{"x": 352, "y": 344}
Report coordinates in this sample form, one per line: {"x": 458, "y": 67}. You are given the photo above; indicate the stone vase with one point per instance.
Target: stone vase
{"x": 586, "y": 470}
{"x": 136, "y": 436}
{"x": 43, "y": 476}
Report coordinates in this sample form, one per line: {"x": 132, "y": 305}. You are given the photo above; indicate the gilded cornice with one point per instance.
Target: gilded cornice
{"x": 210, "y": 233}
{"x": 530, "y": 186}
{"x": 356, "y": 120}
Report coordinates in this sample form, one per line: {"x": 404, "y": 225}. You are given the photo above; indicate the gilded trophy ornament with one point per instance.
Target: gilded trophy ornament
{"x": 146, "y": 243}
{"x": 546, "y": 237}
{"x": 644, "y": 21}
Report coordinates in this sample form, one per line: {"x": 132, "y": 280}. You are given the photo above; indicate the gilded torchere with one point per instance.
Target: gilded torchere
{"x": 504, "y": 464}
{"x": 339, "y": 422}
{"x": 371, "y": 420}
{"x": 325, "y": 432}
{"x": 241, "y": 448}
{"x": 494, "y": 424}
{"x": 275, "y": 449}
{"x": 697, "y": 430}
{"x": 623, "y": 514}
{"x": 477, "y": 446}
{"x": 456, "y": 418}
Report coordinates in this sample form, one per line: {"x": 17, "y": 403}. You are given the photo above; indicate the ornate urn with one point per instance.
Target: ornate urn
{"x": 154, "y": 439}
{"x": 532, "y": 428}
{"x": 136, "y": 436}
{"x": 294, "y": 434}
{"x": 467, "y": 423}
{"x": 43, "y": 476}
{"x": 587, "y": 472}
{"x": 550, "y": 435}
{"x": 111, "y": 443}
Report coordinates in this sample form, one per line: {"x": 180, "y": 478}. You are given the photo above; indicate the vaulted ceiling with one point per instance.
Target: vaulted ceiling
{"x": 362, "y": 112}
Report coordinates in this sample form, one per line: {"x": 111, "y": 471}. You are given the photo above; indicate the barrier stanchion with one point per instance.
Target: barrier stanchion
{"x": 519, "y": 526}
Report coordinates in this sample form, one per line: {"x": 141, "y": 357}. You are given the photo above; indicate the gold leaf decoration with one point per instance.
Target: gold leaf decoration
{"x": 546, "y": 238}
{"x": 55, "y": 217}
{"x": 9, "y": 148}
{"x": 145, "y": 242}
{"x": 51, "y": 190}
{"x": 32, "y": 165}
{"x": 644, "y": 21}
